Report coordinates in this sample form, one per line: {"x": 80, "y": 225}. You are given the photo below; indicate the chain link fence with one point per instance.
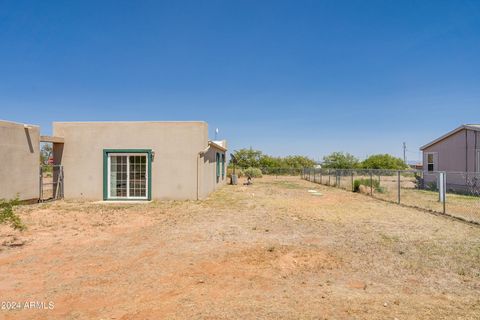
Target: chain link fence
{"x": 453, "y": 193}
{"x": 271, "y": 171}
{"x": 51, "y": 182}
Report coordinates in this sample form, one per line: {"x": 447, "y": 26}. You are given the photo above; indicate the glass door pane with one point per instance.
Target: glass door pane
{"x": 118, "y": 176}
{"x": 138, "y": 176}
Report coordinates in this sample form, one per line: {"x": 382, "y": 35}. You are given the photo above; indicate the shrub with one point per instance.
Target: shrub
{"x": 8, "y": 216}
{"x": 253, "y": 172}
{"x": 366, "y": 182}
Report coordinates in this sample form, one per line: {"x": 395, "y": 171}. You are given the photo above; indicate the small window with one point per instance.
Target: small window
{"x": 217, "y": 158}
{"x": 430, "y": 162}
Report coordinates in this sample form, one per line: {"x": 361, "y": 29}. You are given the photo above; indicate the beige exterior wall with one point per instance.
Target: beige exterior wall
{"x": 177, "y": 169}
{"x": 20, "y": 158}
{"x": 208, "y": 173}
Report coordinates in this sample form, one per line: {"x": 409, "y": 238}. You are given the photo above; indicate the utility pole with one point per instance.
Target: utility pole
{"x": 405, "y": 153}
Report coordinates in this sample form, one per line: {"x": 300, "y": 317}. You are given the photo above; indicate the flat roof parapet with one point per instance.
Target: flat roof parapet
{"x": 52, "y": 139}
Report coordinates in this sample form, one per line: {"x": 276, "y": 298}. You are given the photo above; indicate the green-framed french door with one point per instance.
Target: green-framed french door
{"x": 127, "y": 174}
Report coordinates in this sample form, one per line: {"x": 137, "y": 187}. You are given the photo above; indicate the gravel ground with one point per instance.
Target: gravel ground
{"x": 271, "y": 250}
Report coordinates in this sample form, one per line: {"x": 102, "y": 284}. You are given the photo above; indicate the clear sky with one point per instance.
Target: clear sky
{"x": 286, "y": 77}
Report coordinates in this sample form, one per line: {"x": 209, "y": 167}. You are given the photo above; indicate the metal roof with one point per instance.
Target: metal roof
{"x": 475, "y": 127}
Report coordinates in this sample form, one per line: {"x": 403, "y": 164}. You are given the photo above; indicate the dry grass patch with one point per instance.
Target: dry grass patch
{"x": 269, "y": 250}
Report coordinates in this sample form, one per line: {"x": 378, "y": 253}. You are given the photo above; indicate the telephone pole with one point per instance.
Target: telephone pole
{"x": 405, "y": 153}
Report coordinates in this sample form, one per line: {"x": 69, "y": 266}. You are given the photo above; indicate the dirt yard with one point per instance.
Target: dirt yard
{"x": 267, "y": 251}
{"x": 460, "y": 206}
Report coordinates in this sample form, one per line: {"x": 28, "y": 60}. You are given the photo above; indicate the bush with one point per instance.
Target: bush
{"x": 253, "y": 172}
{"x": 366, "y": 182}
{"x": 8, "y": 216}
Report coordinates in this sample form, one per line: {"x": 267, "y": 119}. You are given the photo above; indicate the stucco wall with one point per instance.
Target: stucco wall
{"x": 20, "y": 159}
{"x": 455, "y": 153}
{"x": 209, "y": 182}
{"x": 174, "y": 169}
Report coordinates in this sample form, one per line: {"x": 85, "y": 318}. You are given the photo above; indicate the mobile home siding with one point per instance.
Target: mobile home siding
{"x": 456, "y": 153}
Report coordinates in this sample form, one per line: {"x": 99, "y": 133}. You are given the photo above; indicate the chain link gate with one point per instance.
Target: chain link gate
{"x": 51, "y": 182}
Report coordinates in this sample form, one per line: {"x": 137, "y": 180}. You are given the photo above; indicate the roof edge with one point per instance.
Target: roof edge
{"x": 448, "y": 134}
{"x": 113, "y": 121}
{"x": 213, "y": 144}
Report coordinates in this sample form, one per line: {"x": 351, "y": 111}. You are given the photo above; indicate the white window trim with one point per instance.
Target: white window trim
{"x": 109, "y": 197}
{"x": 433, "y": 162}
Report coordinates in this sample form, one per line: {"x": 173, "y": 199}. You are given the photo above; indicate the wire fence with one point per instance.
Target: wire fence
{"x": 452, "y": 193}
{"x": 271, "y": 171}
{"x": 51, "y": 182}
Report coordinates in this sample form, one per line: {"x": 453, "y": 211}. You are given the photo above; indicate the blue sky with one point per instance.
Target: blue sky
{"x": 286, "y": 77}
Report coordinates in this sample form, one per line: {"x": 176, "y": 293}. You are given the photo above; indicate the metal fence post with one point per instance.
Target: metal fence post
{"x": 442, "y": 183}
{"x": 371, "y": 183}
{"x": 329, "y": 177}
{"x": 398, "y": 185}
{"x": 352, "y": 182}
{"x": 320, "y": 175}
{"x": 40, "y": 195}
{"x": 314, "y": 175}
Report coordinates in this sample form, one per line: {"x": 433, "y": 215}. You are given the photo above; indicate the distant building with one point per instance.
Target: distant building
{"x": 458, "y": 153}
{"x": 416, "y": 166}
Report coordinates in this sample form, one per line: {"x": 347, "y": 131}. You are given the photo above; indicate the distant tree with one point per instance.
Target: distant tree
{"x": 340, "y": 160}
{"x": 267, "y": 161}
{"x": 383, "y": 161}
{"x": 247, "y": 158}
{"x": 45, "y": 153}
{"x": 298, "y": 162}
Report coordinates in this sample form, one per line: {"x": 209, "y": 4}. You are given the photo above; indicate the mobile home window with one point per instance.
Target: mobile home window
{"x": 218, "y": 164}
{"x": 223, "y": 165}
{"x": 430, "y": 162}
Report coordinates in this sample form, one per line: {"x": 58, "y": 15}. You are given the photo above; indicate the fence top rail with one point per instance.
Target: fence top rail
{"x": 370, "y": 170}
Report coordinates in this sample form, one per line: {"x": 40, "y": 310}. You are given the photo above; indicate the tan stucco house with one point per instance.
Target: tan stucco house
{"x": 118, "y": 160}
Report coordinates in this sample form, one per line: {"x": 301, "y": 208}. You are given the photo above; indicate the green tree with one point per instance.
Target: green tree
{"x": 298, "y": 162}
{"x": 45, "y": 153}
{"x": 247, "y": 158}
{"x": 340, "y": 160}
{"x": 383, "y": 161}
{"x": 267, "y": 161}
